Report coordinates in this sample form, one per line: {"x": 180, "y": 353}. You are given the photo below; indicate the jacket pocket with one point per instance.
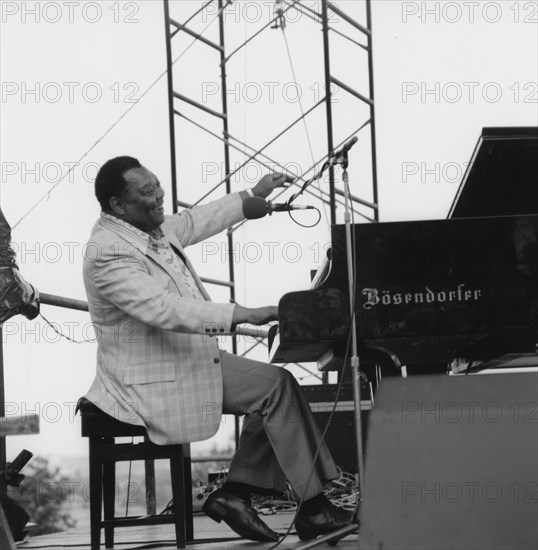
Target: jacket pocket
{"x": 148, "y": 373}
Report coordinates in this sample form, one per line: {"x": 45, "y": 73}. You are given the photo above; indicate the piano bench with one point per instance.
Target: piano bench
{"x": 102, "y": 429}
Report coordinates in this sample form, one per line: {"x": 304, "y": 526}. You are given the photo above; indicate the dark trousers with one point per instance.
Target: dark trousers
{"x": 280, "y": 437}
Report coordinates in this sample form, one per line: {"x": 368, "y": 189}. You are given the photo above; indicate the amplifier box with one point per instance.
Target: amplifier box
{"x": 340, "y": 437}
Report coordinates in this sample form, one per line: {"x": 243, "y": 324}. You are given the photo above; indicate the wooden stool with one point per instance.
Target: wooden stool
{"x": 101, "y": 429}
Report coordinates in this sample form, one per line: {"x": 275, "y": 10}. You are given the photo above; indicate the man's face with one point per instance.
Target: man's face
{"x": 143, "y": 199}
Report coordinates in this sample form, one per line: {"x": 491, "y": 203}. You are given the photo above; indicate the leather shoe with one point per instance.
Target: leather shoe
{"x": 239, "y": 515}
{"x": 328, "y": 520}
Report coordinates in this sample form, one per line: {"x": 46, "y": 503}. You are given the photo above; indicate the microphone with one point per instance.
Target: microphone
{"x": 258, "y": 207}
{"x": 339, "y": 156}
{"x": 12, "y": 475}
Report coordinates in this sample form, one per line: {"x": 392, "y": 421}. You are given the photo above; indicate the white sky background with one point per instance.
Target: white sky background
{"x": 477, "y": 60}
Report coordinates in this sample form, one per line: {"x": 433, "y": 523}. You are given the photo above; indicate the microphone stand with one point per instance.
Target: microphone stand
{"x": 355, "y": 363}
{"x": 333, "y": 537}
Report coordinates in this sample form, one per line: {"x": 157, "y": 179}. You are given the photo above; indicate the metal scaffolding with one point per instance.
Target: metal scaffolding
{"x": 334, "y": 197}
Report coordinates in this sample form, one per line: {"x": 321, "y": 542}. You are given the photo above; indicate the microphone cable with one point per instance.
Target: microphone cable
{"x": 318, "y": 449}
{"x": 338, "y": 390}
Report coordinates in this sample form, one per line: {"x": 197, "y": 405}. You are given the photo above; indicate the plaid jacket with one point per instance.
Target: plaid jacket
{"x": 158, "y": 362}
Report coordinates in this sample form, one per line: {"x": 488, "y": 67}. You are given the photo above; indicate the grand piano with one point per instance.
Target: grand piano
{"x": 428, "y": 292}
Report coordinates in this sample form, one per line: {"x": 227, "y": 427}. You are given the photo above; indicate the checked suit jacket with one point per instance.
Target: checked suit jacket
{"x": 158, "y": 362}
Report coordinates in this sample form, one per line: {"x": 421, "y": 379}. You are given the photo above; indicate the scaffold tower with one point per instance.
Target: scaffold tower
{"x": 345, "y": 90}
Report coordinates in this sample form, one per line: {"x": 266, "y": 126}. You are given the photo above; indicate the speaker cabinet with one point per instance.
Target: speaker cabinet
{"x": 452, "y": 463}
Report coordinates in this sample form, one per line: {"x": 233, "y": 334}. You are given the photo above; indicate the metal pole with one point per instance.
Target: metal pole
{"x": 3, "y": 486}
{"x": 225, "y": 131}
{"x": 355, "y": 362}
{"x": 227, "y": 168}
{"x": 328, "y": 104}
{"x": 171, "y": 122}
{"x": 372, "y": 107}
{"x": 354, "y": 526}
{"x": 62, "y": 301}
{"x": 329, "y": 116}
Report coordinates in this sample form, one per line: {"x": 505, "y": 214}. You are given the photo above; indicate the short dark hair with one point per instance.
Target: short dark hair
{"x": 110, "y": 181}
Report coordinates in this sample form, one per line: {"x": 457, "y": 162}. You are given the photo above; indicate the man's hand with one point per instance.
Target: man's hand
{"x": 270, "y": 182}
{"x": 254, "y": 315}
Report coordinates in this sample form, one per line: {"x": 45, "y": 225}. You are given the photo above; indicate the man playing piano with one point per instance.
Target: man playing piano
{"x": 159, "y": 364}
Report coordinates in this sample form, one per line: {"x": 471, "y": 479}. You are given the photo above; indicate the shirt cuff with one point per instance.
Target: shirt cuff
{"x": 246, "y": 193}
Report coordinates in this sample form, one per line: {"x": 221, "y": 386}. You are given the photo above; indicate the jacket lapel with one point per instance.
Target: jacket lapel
{"x": 178, "y": 249}
{"x": 152, "y": 255}
{"x": 133, "y": 240}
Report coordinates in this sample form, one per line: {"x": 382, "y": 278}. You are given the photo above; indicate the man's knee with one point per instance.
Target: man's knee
{"x": 287, "y": 398}
{"x": 285, "y": 380}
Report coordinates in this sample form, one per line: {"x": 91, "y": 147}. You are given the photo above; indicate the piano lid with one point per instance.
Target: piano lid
{"x": 502, "y": 176}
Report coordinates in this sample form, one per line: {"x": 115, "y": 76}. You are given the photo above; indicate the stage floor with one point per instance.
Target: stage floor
{"x": 208, "y": 534}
